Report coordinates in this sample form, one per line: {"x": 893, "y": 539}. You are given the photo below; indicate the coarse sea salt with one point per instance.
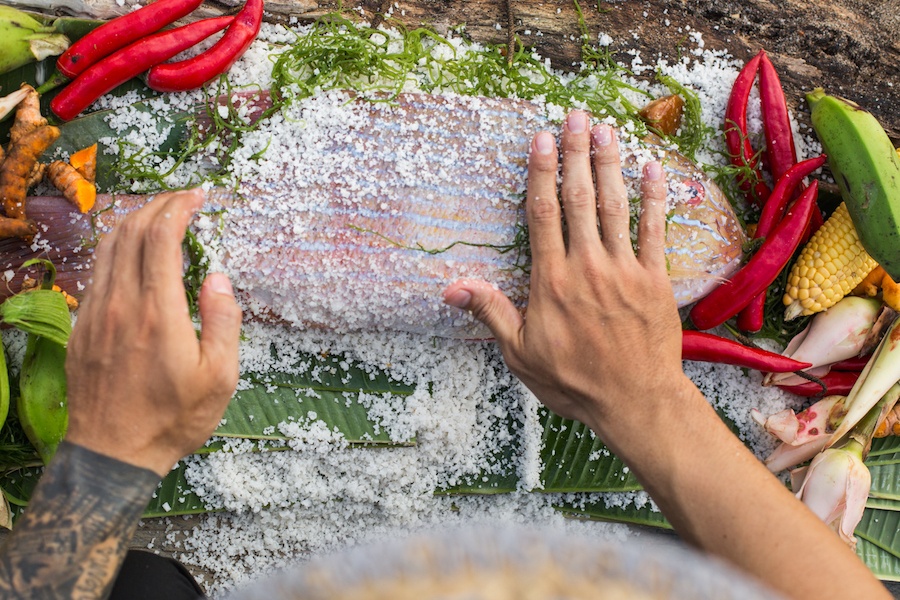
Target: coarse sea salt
{"x": 325, "y": 494}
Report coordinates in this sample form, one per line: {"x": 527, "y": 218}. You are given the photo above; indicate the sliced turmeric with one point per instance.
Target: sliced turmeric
{"x": 28, "y": 116}
{"x": 20, "y": 160}
{"x": 19, "y": 228}
{"x": 76, "y": 189}
{"x": 29, "y": 283}
{"x": 85, "y": 162}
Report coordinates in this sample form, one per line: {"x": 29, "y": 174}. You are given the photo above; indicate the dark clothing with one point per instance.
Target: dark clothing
{"x": 148, "y": 576}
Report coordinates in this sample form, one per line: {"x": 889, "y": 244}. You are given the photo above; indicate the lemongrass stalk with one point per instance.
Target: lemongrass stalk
{"x": 880, "y": 374}
{"x": 9, "y": 102}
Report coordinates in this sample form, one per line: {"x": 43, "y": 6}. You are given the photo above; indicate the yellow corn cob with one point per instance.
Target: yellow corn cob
{"x": 832, "y": 263}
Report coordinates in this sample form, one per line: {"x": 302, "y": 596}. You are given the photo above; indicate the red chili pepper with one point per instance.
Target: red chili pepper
{"x": 836, "y": 383}
{"x": 706, "y": 347}
{"x": 751, "y": 317}
{"x": 728, "y": 299}
{"x": 198, "y": 71}
{"x": 120, "y": 32}
{"x": 736, "y": 136}
{"x": 129, "y": 62}
{"x": 776, "y": 120}
{"x": 855, "y": 364}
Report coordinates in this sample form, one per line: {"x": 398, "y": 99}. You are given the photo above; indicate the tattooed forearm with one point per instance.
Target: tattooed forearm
{"x": 73, "y": 537}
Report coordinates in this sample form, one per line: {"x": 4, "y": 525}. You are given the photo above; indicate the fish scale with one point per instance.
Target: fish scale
{"x": 360, "y": 213}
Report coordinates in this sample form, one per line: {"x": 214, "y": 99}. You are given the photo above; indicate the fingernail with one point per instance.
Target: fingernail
{"x": 459, "y": 298}
{"x": 544, "y": 143}
{"x": 577, "y": 122}
{"x": 653, "y": 171}
{"x": 602, "y": 134}
{"x": 220, "y": 284}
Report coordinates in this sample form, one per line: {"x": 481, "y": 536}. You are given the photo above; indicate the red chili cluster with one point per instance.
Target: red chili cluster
{"x": 782, "y": 225}
{"x": 129, "y": 45}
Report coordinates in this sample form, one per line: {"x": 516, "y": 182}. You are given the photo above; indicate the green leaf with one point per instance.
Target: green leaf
{"x": 329, "y": 389}
{"x": 884, "y": 565}
{"x": 18, "y": 485}
{"x": 884, "y": 481}
{"x": 174, "y": 496}
{"x": 881, "y": 528}
{"x": 599, "y": 511}
{"x": 883, "y": 446}
{"x": 39, "y": 312}
{"x": 93, "y": 128}
{"x": 575, "y": 460}
{"x": 883, "y": 503}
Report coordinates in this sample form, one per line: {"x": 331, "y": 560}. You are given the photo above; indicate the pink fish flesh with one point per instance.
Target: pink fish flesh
{"x": 359, "y": 214}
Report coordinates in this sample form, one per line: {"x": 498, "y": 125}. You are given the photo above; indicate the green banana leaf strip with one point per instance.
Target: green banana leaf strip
{"x": 39, "y": 312}
{"x": 883, "y": 504}
{"x": 884, "y": 565}
{"x": 884, "y": 446}
{"x": 500, "y": 478}
{"x": 881, "y": 528}
{"x": 174, "y": 497}
{"x": 324, "y": 391}
{"x": 884, "y": 481}
{"x": 577, "y": 461}
{"x": 598, "y": 511}
{"x": 93, "y": 128}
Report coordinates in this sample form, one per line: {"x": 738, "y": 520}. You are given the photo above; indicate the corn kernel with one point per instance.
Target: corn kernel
{"x": 831, "y": 264}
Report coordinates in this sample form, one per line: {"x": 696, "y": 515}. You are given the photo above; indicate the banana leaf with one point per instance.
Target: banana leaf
{"x": 501, "y": 475}
{"x": 885, "y": 482}
{"x": 881, "y": 528}
{"x": 884, "y": 565}
{"x": 883, "y": 503}
{"x": 575, "y": 460}
{"x": 599, "y": 511}
{"x": 174, "y": 497}
{"x": 332, "y": 397}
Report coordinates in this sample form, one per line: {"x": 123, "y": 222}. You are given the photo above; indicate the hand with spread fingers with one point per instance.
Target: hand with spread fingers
{"x": 143, "y": 392}
{"x": 599, "y": 316}
{"x": 134, "y": 345}
{"x": 601, "y": 342}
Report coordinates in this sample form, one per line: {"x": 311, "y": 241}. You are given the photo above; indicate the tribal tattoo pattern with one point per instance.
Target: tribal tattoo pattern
{"x": 71, "y": 542}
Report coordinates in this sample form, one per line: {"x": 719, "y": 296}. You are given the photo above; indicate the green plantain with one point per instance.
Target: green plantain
{"x": 41, "y": 406}
{"x": 24, "y": 39}
{"x": 867, "y": 170}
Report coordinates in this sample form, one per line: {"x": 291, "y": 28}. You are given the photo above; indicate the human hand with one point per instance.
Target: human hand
{"x": 601, "y": 336}
{"x": 141, "y": 387}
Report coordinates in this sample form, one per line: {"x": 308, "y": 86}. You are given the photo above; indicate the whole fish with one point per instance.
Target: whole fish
{"x": 360, "y": 213}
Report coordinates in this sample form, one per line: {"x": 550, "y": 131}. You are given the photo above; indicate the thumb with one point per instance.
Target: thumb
{"x": 221, "y": 319}
{"x": 489, "y": 305}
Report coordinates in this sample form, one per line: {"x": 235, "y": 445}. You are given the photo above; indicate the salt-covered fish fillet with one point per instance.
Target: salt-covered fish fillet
{"x": 360, "y": 214}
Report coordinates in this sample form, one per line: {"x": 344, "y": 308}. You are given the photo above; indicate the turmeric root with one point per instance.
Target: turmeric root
{"x": 871, "y": 284}
{"x": 890, "y": 425}
{"x": 9, "y": 102}
{"x": 890, "y": 292}
{"x": 879, "y": 281}
{"x": 36, "y": 175}
{"x": 20, "y": 228}
{"x": 76, "y": 189}
{"x": 85, "y": 162}
{"x": 20, "y": 160}
{"x": 28, "y": 116}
